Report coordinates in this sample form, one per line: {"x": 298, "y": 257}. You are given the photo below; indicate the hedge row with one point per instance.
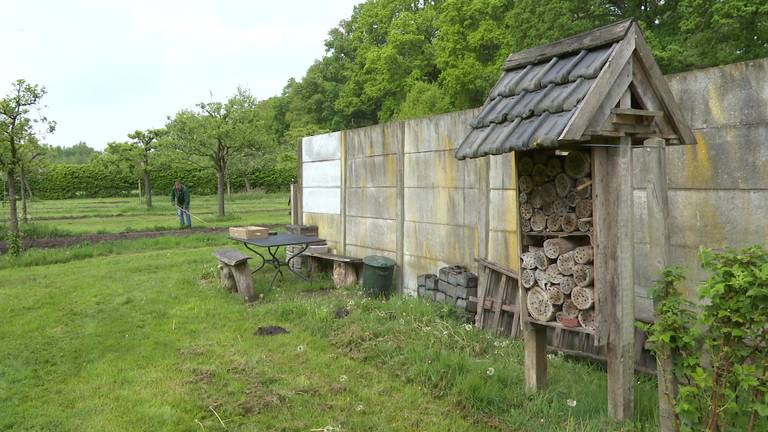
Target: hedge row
{"x": 62, "y": 181}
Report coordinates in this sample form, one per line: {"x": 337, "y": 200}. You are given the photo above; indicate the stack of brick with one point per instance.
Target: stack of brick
{"x": 307, "y": 230}
{"x": 454, "y": 286}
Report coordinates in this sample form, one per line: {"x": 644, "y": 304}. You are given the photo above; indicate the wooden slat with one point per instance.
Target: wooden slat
{"x": 661, "y": 88}
{"x": 591, "y": 39}
{"x": 483, "y": 284}
{"x": 497, "y": 267}
{"x": 332, "y": 257}
{"x": 610, "y": 100}
{"x": 499, "y": 297}
{"x": 605, "y": 80}
{"x": 647, "y": 98}
{"x": 637, "y": 112}
{"x": 603, "y": 202}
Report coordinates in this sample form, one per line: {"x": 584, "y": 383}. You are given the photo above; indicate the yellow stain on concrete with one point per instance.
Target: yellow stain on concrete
{"x": 698, "y": 167}
{"x": 713, "y": 100}
{"x": 513, "y": 167}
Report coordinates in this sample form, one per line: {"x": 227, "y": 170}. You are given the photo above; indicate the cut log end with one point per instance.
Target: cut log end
{"x": 587, "y": 319}
{"x": 583, "y": 297}
{"x": 555, "y": 247}
{"x": 539, "y": 306}
{"x": 570, "y": 222}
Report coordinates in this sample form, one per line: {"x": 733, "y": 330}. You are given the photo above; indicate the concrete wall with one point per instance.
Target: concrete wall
{"x": 408, "y": 198}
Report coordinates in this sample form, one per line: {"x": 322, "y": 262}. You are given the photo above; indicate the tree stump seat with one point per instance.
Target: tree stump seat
{"x": 234, "y": 275}
{"x": 344, "y": 271}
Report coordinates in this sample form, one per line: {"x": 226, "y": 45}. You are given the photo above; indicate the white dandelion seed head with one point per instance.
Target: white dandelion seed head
{"x": 490, "y": 371}
{"x": 359, "y": 407}
{"x": 300, "y": 348}
{"x": 571, "y": 402}
{"x": 467, "y": 327}
{"x": 445, "y": 332}
{"x": 343, "y": 378}
{"x": 496, "y": 343}
{"x": 402, "y": 322}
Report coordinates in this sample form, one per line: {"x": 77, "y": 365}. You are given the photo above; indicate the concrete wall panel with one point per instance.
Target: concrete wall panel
{"x": 373, "y": 140}
{"x": 372, "y": 233}
{"x": 321, "y": 147}
{"x": 322, "y": 174}
{"x": 503, "y": 210}
{"x": 374, "y": 171}
{"x": 321, "y": 200}
{"x": 502, "y": 175}
{"x": 435, "y": 205}
{"x": 328, "y": 227}
{"x": 502, "y": 249}
{"x": 452, "y": 244}
{"x": 440, "y": 132}
{"x": 439, "y": 169}
{"x": 372, "y": 202}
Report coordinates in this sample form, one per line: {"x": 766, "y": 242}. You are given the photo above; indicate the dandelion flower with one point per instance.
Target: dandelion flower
{"x": 402, "y": 322}
{"x": 490, "y": 371}
{"x": 467, "y": 327}
{"x": 359, "y": 407}
{"x": 571, "y": 402}
{"x": 343, "y": 378}
{"x": 300, "y": 348}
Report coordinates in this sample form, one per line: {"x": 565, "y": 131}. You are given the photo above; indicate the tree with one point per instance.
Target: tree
{"x": 30, "y": 152}
{"x": 16, "y": 125}
{"x": 146, "y": 140}
{"x": 216, "y": 132}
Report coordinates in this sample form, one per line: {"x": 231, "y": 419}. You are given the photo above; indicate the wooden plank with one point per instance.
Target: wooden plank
{"x": 483, "y": 284}
{"x": 645, "y": 96}
{"x": 400, "y": 199}
{"x": 661, "y": 88}
{"x": 556, "y": 325}
{"x": 602, "y": 85}
{"x": 637, "y": 112}
{"x": 603, "y": 202}
{"x": 609, "y": 102}
{"x": 244, "y": 281}
{"x": 332, "y": 257}
{"x": 230, "y": 257}
{"x": 535, "y": 358}
{"x": 498, "y": 300}
{"x": 299, "y": 183}
{"x": 621, "y": 334}
{"x": 342, "y": 246}
{"x": 658, "y": 231}
{"x": 591, "y": 39}
{"x": 497, "y": 267}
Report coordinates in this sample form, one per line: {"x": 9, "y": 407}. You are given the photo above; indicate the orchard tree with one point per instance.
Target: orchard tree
{"x": 30, "y": 153}
{"x": 146, "y": 142}
{"x": 17, "y": 124}
{"x": 216, "y": 132}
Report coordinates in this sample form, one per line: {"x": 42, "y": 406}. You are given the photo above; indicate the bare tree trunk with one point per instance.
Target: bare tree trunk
{"x": 220, "y": 190}
{"x": 148, "y": 189}
{"x": 247, "y": 184}
{"x": 22, "y": 178}
{"x": 14, "y": 215}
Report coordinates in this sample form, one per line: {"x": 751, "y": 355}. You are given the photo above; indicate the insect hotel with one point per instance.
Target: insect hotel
{"x": 576, "y": 113}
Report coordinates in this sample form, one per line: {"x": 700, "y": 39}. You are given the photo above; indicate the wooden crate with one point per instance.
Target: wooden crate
{"x": 248, "y": 232}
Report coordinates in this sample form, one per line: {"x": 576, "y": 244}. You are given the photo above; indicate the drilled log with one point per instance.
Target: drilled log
{"x": 569, "y": 309}
{"x": 560, "y": 206}
{"x": 583, "y": 275}
{"x": 525, "y": 166}
{"x": 554, "y": 167}
{"x": 583, "y": 297}
{"x": 563, "y": 184}
{"x": 567, "y": 284}
{"x": 583, "y": 254}
{"x": 554, "y": 222}
{"x": 539, "y": 171}
{"x": 522, "y": 198}
{"x": 525, "y": 184}
{"x": 555, "y": 296}
{"x": 577, "y": 164}
{"x": 553, "y": 275}
{"x": 567, "y": 321}
{"x": 555, "y": 247}
{"x": 565, "y": 263}
{"x": 548, "y": 208}
{"x": 528, "y": 260}
{"x": 538, "y": 221}
{"x": 526, "y": 210}
{"x": 569, "y": 222}
{"x": 585, "y": 225}
{"x": 541, "y": 277}
{"x": 587, "y": 319}
{"x": 540, "y": 259}
{"x": 525, "y": 225}
{"x": 583, "y": 188}
{"x": 535, "y": 199}
{"x": 548, "y": 192}
{"x": 539, "y": 306}
{"x": 571, "y": 199}
{"x": 528, "y": 278}
{"x": 583, "y": 208}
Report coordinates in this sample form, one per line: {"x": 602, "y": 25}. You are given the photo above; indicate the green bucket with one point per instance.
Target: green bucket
{"x": 377, "y": 275}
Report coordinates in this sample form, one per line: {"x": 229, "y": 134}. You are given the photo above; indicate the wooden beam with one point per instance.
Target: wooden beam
{"x": 659, "y": 84}
{"x": 600, "y": 88}
{"x": 621, "y": 306}
{"x": 535, "y": 360}
{"x": 603, "y": 202}
{"x": 497, "y": 267}
{"x": 594, "y": 38}
{"x": 299, "y": 182}
{"x": 646, "y": 97}
{"x": 609, "y": 101}
{"x": 637, "y": 112}
{"x": 658, "y": 230}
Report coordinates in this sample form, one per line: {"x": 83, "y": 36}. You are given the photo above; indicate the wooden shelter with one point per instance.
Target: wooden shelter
{"x": 573, "y": 112}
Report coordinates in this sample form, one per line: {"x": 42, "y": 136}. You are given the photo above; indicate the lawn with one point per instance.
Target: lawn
{"x": 136, "y": 335}
{"x": 112, "y": 215}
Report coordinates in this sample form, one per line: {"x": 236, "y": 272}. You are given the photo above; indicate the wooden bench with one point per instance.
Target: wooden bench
{"x": 234, "y": 275}
{"x": 344, "y": 272}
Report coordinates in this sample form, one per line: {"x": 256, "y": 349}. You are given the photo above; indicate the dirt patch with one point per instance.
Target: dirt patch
{"x": 55, "y": 242}
{"x": 269, "y": 331}
{"x": 341, "y": 313}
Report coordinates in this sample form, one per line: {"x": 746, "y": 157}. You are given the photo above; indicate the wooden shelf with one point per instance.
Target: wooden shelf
{"x": 554, "y": 324}
{"x": 556, "y": 234}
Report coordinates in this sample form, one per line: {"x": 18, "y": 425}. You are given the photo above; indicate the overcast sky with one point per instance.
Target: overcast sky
{"x": 112, "y": 67}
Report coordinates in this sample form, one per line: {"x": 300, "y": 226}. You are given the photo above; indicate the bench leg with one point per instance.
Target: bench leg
{"x": 344, "y": 274}
{"x": 227, "y": 278}
{"x": 244, "y": 281}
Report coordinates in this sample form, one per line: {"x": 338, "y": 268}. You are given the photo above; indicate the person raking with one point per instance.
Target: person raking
{"x": 180, "y": 198}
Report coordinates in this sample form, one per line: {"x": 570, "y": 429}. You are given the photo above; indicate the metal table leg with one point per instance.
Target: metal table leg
{"x": 263, "y": 261}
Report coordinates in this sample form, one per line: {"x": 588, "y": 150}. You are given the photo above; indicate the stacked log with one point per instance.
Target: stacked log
{"x": 555, "y": 202}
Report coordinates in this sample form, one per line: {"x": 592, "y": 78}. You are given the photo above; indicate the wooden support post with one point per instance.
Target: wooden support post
{"x": 300, "y": 182}
{"x": 621, "y": 304}
{"x": 244, "y": 281}
{"x": 658, "y": 214}
{"x": 535, "y": 362}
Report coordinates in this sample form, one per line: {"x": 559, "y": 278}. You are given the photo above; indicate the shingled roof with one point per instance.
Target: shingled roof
{"x": 551, "y": 95}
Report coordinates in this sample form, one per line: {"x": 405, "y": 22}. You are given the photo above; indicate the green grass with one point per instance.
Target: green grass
{"x": 111, "y": 215}
{"x": 137, "y": 336}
